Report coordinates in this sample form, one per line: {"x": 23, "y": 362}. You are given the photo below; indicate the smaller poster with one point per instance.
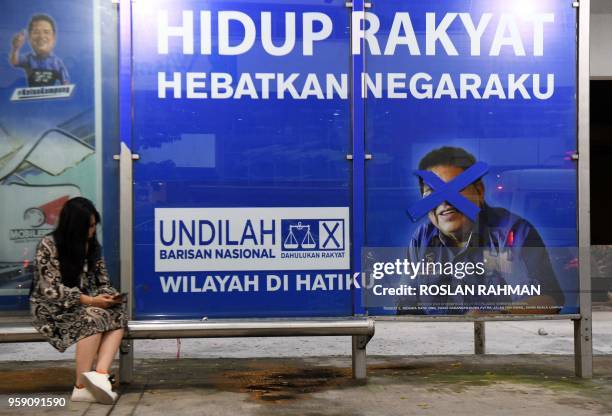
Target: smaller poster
{"x": 47, "y": 128}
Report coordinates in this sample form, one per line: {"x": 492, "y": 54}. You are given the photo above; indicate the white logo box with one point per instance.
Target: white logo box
{"x": 241, "y": 239}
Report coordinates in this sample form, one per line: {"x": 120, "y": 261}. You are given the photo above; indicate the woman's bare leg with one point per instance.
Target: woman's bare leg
{"x": 86, "y": 350}
{"x": 108, "y": 349}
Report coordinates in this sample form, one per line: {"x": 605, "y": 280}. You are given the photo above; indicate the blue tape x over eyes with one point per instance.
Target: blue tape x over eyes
{"x": 449, "y": 191}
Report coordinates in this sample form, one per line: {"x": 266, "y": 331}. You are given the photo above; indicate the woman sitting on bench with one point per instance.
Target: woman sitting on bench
{"x": 72, "y": 300}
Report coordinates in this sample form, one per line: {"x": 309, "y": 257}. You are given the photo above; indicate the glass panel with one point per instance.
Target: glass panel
{"x": 492, "y": 80}
{"x": 54, "y": 143}
{"x": 242, "y": 190}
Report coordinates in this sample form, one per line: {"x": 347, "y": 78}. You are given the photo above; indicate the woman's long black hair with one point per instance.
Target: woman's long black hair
{"x": 71, "y": 239}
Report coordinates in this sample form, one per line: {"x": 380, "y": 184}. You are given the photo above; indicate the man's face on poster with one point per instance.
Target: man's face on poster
{"x": 42, "y": 38}
{"x": 446, "y": 218}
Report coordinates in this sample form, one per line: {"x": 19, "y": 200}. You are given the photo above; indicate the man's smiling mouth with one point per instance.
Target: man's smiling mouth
{"x": 448, "y": 211}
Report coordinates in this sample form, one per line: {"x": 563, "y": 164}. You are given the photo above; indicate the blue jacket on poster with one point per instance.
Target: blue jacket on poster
{"x": 510, "y": 252}
{"x": 43, "y": 71}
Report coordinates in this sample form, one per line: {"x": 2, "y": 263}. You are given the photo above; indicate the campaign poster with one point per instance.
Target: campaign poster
{"x": 242, "y": 189}
{"x": 471, "y": 190}
{"x": 243, "y": 120}
{"x": 47, "y": 128}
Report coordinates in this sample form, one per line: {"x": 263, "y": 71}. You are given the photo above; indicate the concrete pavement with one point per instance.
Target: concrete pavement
{"x": 414, "y": 368}
{"x": 322, "y": 386}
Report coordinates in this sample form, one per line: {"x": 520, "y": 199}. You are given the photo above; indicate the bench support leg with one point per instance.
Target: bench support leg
{"x": 126, "y": 362}
{"x": 479, "y": 338}
{"x": 583, "y": 347}
{"x": 359, "y": 357}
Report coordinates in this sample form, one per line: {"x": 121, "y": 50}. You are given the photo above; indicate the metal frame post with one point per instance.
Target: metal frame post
{"x": 126, "y": 204}
{"x": 358, "y": 141}
{"x": 359, "y": 356}
{"x": 583, "y": 340}
{"x": 479, "y": 338}
{"x": 126, "y": 351}
{"x": 359, "y": 360}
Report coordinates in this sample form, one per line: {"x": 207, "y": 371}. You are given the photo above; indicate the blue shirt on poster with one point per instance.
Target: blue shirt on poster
{"x": 43, "y": 71}
{"x": 508, "y": 246}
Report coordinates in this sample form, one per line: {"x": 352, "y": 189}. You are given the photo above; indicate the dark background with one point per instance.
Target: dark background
{"x": 601, "y": 179}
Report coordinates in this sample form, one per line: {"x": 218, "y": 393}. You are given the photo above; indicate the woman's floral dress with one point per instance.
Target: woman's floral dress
{"x": 57, "y": 311}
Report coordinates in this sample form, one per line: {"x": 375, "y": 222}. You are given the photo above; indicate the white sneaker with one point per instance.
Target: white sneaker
{"x": 100, "y": 387}
{"x": 82, "y": 395}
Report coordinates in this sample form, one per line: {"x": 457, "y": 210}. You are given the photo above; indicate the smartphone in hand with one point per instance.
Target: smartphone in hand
{"x": 121, "y": 296}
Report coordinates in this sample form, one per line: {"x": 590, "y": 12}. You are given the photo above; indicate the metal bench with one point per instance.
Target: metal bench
{"x": 360, "y": 329}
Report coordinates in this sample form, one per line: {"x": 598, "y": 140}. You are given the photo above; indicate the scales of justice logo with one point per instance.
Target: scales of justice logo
{"x": 313, "y": 234}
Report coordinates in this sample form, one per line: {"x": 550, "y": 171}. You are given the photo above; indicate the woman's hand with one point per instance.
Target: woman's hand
{"x": 104, "y": 301}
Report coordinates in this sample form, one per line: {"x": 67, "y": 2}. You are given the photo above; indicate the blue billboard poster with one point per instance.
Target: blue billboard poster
{"x": 243, "y": 124}
{"x": 47, "y": 128}
{"x": 471, "y": 190}
{"x": 242, "y": 189}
